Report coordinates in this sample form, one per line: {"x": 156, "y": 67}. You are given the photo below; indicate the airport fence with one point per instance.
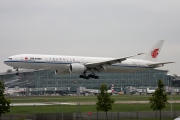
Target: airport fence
{"x": 131, "y": 115}
{"x": 78, "y": 114}
{"x": 94, "y": 116}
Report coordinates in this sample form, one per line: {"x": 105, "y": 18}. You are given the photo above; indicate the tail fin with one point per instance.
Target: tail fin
{"x": 153, "y": 54}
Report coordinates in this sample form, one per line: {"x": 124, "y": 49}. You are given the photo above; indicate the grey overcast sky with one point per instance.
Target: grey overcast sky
{"x": 100, "y": 28}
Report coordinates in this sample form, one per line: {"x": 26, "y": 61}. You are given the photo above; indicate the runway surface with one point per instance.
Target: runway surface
{"x": 81, "y": 103}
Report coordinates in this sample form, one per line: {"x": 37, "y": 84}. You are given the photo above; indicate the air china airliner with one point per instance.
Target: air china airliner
{"x": 86, "y": 67}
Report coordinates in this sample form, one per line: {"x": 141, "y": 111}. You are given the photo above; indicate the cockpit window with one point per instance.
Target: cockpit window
{"x": 10, "y": 58}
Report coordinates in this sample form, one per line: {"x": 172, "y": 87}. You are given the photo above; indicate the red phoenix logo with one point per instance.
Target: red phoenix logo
{"x": 154, "y": 53}
{"x": 26, "y": 58}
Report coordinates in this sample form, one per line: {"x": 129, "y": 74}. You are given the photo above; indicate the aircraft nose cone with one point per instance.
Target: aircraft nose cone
{"x": 5, "y": 61}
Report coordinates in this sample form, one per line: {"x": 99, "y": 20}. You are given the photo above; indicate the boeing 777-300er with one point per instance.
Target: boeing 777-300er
{"x": 87, "y": 66}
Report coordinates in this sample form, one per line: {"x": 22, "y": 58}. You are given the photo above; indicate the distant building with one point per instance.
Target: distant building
{"x": 175, "y": 80}
{"x": 47, "y": 79}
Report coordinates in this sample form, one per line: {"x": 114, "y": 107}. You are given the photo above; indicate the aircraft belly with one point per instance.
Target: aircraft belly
{"x": 39, "y": 65}
{"x": 30, "y": 65}
{"x": 56, "y": 66}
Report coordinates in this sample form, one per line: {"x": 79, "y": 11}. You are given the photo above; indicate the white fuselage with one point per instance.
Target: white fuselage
{"x": 61, "y": 63}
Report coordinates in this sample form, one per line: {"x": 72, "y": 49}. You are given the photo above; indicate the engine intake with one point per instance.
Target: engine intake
{"x": 77, "y": 68}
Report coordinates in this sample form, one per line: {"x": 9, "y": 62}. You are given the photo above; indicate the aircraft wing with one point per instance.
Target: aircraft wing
{"x": 159, "y": 64}
{"x": 109, "y": 62}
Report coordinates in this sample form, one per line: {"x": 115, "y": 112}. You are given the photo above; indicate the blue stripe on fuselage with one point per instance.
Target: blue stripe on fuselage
{"x": 50, "y": 62}
{"x": 15, "y": 61}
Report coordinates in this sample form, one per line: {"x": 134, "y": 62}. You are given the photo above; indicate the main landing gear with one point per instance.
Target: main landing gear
{"x": 17, "y": 72}
{"x": 89, "y": 76}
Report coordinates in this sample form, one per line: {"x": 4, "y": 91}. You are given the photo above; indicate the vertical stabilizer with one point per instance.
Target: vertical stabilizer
{"x": 154, "y": 52}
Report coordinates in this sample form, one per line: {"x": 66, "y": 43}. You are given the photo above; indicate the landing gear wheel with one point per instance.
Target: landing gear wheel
{"x": 93, "y": 76}
{"x": 17, "y": 72}
{"x": 90, "y": 76}
{"x": 81, "y": 76}
{"x": 87, "y": 77}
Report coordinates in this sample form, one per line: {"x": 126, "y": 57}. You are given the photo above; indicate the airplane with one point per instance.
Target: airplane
{"x": 11, "y": 82}
{"x": 12, "y": 91}
{"x": 87, "y": 65}
{"x": 111, "y": 91}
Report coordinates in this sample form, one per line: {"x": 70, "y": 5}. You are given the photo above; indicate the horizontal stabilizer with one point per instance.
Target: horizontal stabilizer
{"x": 159, "y": 64}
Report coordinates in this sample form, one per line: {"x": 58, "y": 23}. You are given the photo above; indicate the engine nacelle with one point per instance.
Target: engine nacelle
{"x": 77, "y": 68}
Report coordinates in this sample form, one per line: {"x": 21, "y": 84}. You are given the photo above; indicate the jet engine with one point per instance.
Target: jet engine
{"x": 77, "y": 68}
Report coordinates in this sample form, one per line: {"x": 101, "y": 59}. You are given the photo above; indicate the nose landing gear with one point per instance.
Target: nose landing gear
{"x": 17, "y": 72}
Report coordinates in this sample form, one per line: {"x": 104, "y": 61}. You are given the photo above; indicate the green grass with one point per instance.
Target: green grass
{"x": 84, "y": 108}
{"x": 33, "y": 99}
